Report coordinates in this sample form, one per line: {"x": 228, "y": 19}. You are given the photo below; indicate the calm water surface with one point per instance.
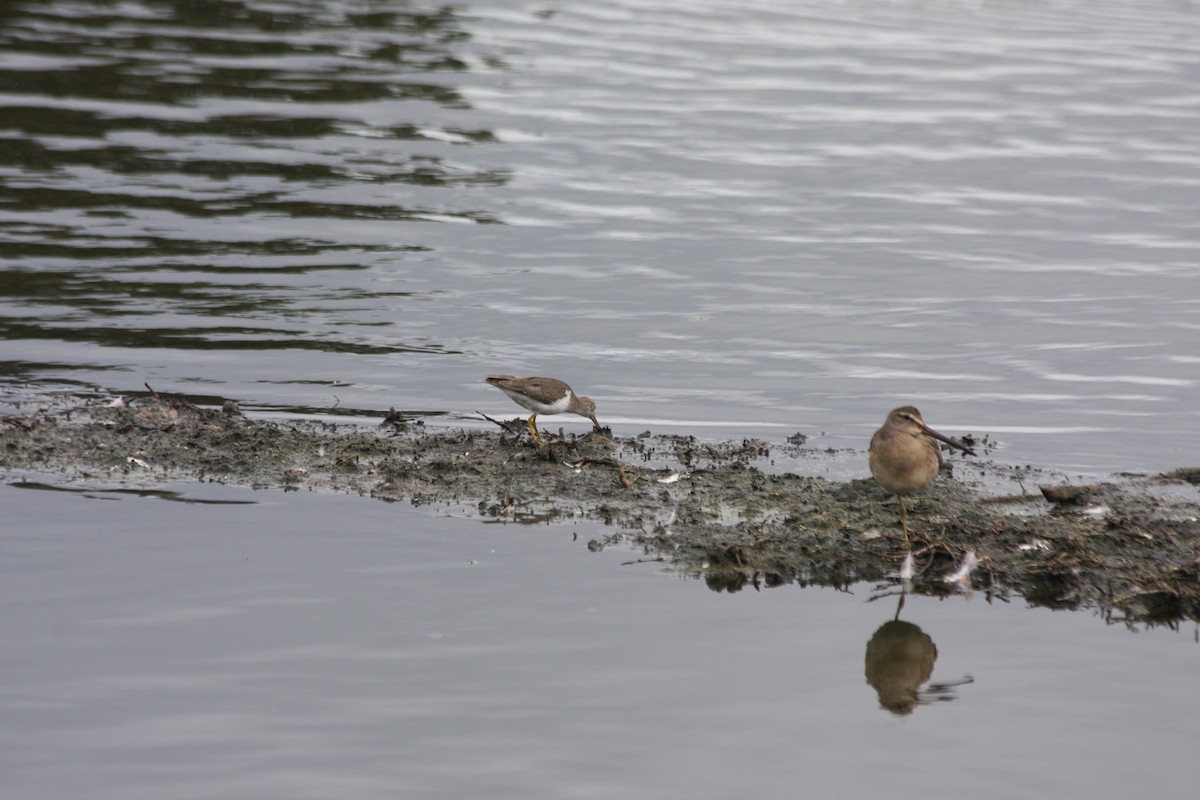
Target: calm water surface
{"x": 250, "y": 644}
{"x": 728, "y": 218}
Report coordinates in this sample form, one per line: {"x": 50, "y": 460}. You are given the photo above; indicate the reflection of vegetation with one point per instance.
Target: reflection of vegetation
{"x": 203, "y": 338}
{"x": 49, "y": 199}
{"x": 157, "y": 494}
{"x": 197, "y": 53}
{"x": 404, "y": 40}
{"x": 102, "y": 298}
{"x": 33, "y": 241}
{"x": 142, "y": 118}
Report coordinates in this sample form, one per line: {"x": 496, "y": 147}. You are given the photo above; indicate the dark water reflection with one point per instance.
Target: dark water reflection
{"x": 171, "y": 62}
{"x": 119, "y": 135}
{"x": 85, "y": 40}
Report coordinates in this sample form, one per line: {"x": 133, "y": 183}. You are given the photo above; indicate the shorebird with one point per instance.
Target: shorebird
{"x": 544, "y": 396}
{"x": 905, "y": 458}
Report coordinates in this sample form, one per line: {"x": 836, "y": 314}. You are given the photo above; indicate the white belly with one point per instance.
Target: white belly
{"x": 557, "y": 407}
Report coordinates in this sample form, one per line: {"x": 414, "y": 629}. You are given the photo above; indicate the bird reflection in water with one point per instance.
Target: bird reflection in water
{"x": 900, "y": 658}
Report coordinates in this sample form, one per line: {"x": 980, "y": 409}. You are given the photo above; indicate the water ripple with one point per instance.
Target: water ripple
{"x": 767, "y": 212}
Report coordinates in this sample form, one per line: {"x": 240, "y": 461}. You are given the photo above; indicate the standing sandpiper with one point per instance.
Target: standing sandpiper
{"x": 905, "y": 458}
{"x": 544, "y": 396}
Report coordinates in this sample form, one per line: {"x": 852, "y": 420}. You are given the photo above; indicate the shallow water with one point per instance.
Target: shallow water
{"x": 322, "y": 646}
{"x": 728, "y": 218}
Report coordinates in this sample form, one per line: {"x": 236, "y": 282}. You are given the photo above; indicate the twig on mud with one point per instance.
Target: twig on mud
{"x": 507, "y": 426}
{"x": 177, "y": 402}
{"x": 29, "y": 424}
{"x": 991, "y": 582}
{"x": 623, "y": 477}
{"x": 583, "y": 462}
{"x": 933, "y": 549}
{"x": 394, "y": 419}
{"x": 1139, "y": 591}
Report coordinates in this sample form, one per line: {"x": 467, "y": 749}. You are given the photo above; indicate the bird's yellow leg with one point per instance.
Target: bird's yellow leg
{"x": 533, "y": 428}
{"x": 903, "y": 521}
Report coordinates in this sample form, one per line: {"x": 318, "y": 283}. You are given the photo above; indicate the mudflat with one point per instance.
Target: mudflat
{"x": 1127, "y": 548}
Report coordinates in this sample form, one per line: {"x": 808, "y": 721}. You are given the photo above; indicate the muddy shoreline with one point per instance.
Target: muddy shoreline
{"x": 1127, "y": 549}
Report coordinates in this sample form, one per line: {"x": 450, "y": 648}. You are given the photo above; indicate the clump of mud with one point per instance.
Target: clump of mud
{"x": 1129, "y": 549}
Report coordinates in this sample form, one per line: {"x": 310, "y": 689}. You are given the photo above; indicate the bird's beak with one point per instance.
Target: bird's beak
{"x": 595, "y": 423}
{"x": 941, "y": 437}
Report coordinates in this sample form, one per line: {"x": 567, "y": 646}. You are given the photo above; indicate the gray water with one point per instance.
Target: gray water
{"x": 723, "y": 218}
{"x": 247, "y": 644}
{"x": 726, "y": 219}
